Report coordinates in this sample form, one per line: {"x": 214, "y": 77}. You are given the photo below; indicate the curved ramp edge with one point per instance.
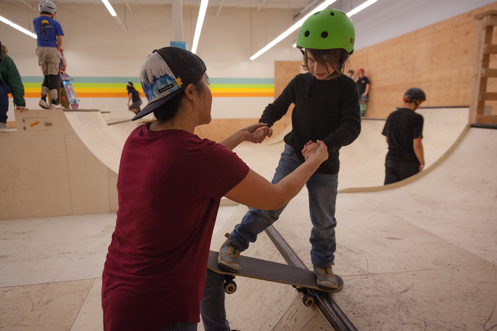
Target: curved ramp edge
{"x": 412, "y": 179}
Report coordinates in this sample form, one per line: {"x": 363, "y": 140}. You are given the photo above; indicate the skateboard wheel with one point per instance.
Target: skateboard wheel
{"x": 230, "y": 287}
{"x": 308, "y": 300}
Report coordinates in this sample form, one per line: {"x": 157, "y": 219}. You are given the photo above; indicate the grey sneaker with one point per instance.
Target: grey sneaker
{"x": 52, "y": 106}
{"x": 3, "y": 125}
{"x": 326, "y": 278}
{"x": 43, "y": 104}
{"x": 228, "y": 256}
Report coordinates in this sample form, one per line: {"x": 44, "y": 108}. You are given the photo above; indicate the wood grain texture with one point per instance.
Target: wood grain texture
{"x": 438, "y": 58}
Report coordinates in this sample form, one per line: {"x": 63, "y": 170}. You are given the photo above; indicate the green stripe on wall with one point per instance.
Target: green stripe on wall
{"x": 123, "y": 80}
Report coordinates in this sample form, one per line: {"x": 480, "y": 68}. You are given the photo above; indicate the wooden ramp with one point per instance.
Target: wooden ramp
{"x": 362, "y": 164}
{"x": 418, "y": 257}
{"x": 66, "y": 162}
{"x": 53, "y": 165}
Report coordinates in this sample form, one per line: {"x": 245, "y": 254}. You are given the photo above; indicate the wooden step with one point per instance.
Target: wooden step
{"x": 489, "y": 73}
{"x": 490, "y": 49}
{"x": 492, "y": 20}
{"x": 486, "y": 119}
{"x": 487, "y": 96}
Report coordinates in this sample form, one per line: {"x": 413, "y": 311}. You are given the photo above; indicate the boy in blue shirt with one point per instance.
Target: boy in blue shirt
{"x": 49, "y": 42}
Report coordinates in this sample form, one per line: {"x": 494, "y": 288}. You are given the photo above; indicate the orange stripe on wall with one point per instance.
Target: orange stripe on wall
{"x": 243, "y": 94}
{"x": 124, "y": 95}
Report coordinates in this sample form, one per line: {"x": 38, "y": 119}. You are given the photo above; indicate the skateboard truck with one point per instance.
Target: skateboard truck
{"x": 229, "y": 284}
{"x": 307, "y": 299}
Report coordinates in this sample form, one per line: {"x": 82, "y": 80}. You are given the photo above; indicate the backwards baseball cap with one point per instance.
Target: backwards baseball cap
{"x": 166, "y": 73}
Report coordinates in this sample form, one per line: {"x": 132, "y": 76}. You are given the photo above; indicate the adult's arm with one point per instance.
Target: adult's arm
{"x": 418, "y": 150}
{"x": 257, "y": 192}
{"x": 245, "y": 134}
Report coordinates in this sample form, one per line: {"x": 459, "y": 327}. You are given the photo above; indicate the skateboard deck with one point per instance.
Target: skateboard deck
{"x": 301, "y": 279}
{"x": 71, "y": 95}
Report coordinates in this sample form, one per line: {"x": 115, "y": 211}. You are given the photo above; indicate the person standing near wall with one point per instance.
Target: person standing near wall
{"x": 326, "y": 108}
{"x": 133, "y": 98}
{"x": 363, "y": 86}
{"x": 10, "y": 82}
{"x": 403, "y": 131}
{"x": 49, "y": 43}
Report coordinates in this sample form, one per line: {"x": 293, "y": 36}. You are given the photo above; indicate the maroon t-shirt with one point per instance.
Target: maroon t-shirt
{"x": 170, "y": 185}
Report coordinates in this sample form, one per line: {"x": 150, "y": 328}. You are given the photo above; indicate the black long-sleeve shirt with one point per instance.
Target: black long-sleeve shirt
{"x": 327, "y": 110}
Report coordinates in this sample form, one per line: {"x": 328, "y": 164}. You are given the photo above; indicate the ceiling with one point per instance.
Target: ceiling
{"x": 297, "y": 5}
{"x": 383, "y": 20}
{"x": 294, "y": 4}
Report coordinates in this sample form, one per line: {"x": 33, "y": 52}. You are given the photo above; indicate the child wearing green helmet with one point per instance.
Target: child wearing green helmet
{"x": 327, "y": 109}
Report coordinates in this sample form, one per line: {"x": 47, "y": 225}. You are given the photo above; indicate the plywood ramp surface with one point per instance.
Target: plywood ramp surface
{"x": 106, "y": 142}
{"x": 420, "y": 257}
{"x": 362, "y": 163}
{"x": 47, "y": 170}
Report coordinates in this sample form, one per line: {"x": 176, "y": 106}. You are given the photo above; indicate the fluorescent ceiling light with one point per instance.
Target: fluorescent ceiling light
{"x": 20, "y": 28}
{"x": 361, "y": 7}
{"x": 355, "y": 11}
{"x": 109, "y": 7}
{"x": 291, "y": 29}
{"x": 200, "y": 22}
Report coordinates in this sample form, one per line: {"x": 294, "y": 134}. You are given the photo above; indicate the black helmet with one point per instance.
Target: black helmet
{"x": 414, "y": 94}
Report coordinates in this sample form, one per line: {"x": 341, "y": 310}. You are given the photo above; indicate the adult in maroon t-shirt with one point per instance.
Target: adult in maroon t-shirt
{"x": 169, "y": 187}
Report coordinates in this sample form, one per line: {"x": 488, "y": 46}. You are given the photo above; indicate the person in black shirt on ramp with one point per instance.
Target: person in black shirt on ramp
{"x": 326, "y": 109}
{"x": 404, "y": 131}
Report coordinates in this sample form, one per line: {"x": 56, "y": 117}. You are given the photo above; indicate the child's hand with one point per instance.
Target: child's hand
{"x": 317, "y": 149}
{"x": 256, "y": 133}
{"x": 21, "y": 108}
{"x": 261, "y": 133}
{"x": 309, "y": 148}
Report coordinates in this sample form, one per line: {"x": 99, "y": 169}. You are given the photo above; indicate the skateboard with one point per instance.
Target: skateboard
{"x": 71, "y": 95}
{"x": 301, "y": 279}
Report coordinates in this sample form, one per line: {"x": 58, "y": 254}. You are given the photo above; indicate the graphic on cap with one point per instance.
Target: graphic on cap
{"x": 157, "y": 79}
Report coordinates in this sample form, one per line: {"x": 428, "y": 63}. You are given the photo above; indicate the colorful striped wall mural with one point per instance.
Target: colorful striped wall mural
{"x": 115, "y": 87}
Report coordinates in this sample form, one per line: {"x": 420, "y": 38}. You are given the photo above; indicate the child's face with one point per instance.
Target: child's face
{"x": 319, "y": 71}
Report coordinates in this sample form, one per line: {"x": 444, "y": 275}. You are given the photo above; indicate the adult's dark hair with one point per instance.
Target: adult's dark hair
{"x": 337, "y": 57}
{"x": 170, "y": 109}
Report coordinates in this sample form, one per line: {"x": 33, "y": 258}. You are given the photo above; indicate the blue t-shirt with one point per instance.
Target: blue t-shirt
{"x": 47, "y": 29}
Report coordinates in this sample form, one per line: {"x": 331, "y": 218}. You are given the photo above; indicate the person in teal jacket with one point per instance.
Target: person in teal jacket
{"x": 10, "y": 82}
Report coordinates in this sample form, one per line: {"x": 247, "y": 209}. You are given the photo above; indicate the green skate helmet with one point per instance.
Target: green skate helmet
{"x": 327, "y": 29}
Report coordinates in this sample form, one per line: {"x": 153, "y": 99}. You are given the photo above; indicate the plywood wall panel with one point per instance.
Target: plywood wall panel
{"x": 437, "y": 58}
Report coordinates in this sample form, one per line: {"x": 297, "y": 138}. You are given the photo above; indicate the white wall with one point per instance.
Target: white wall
{"x": 95, "y": 45}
